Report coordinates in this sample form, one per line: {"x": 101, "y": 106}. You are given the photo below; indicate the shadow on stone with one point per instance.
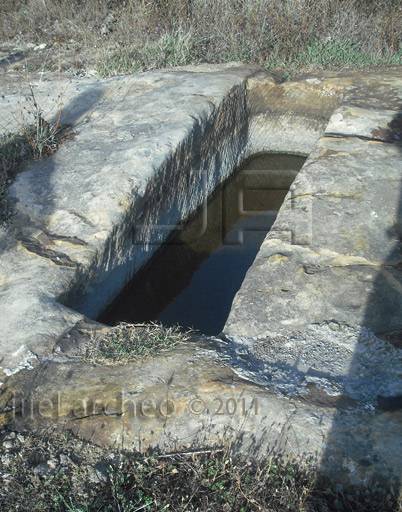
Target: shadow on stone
{"x": 375, "y": 424}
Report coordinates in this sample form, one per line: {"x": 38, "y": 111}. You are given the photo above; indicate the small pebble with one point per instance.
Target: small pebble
{"x": 41, "y": 469}
{"x": 52, "y": 463}
{"x": 65, "y": 460}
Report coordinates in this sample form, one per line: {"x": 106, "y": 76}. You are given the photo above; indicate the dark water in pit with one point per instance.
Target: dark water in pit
{"x": 192, "y": 279}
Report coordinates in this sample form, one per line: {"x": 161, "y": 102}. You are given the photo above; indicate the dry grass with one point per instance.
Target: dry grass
{"x": 49, "y": 471}
{"x": 14, "y": 149}
{"x": 36, "y": 138}
{"x": 130, "y": 342}
{"x": 294, "y": 35}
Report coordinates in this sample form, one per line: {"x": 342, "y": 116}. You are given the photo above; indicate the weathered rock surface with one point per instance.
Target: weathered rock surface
{"x": 147, "y": 151}
{"x": 321, "y": 307}
{"x": 313, "y": 337}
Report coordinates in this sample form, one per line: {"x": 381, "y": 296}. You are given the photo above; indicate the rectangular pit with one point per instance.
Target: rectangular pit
{"x": 193, "y": 277}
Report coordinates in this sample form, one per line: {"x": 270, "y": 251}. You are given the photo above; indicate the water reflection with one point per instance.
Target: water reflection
{"x": 193, "y": 278}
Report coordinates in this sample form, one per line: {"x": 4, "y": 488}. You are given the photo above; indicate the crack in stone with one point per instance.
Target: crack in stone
{"x": 313, "y": 269}
{"x": 63, "y": 238}
{"x": 114, "y": 414}
{"x": 56, "y": 257}
{"x": 366, "y": 138}
{"x": 336, "y": 195}
{"x": 81, "y": 217}
{"x": 331, "y": 258}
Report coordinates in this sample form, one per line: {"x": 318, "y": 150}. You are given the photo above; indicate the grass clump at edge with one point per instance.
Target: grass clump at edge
{"x": 37, "y": 138}
{"x": 130, "y": 342}
{"x": 14, "y": 149}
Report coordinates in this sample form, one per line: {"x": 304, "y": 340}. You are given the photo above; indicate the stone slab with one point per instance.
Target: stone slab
{"x": 83, "y": 217}
{"x": 315, "y": 330}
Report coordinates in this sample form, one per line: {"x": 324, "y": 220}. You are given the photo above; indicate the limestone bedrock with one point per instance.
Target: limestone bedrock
{"x": 311, "y": 351}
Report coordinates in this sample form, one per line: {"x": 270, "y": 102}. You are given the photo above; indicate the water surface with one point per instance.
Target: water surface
{"x": 193, "y": 278}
